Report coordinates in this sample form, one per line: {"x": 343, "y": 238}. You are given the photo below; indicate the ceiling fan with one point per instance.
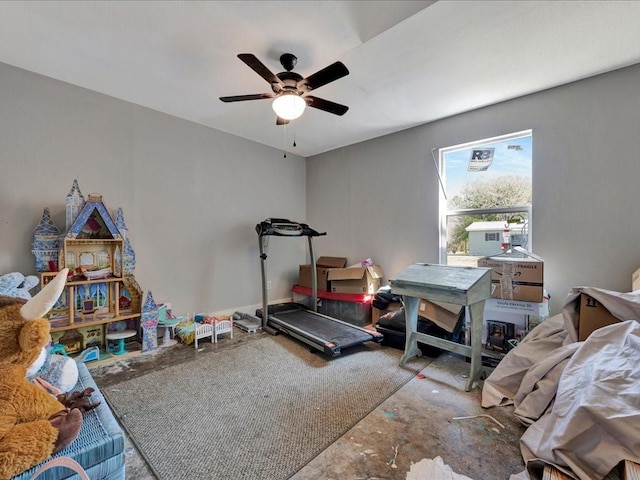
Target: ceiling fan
{"x": 290, "y": 89}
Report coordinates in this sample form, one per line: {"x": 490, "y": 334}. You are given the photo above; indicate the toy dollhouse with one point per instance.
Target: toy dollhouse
{"x": 101, "y": 287}
{"x": 149, "y": 324}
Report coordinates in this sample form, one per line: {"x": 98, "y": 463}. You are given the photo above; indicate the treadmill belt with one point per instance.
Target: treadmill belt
{"x": 319, "y": 326}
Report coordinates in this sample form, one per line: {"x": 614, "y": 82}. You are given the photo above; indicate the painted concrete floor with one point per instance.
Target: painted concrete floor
{"x": 421, "y": 421}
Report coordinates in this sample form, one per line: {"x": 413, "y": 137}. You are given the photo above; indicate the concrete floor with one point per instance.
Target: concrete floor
{"x": 419, "y": 422}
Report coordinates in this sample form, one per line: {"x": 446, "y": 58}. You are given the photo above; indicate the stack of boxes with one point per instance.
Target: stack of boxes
{"x": 323, "y": 266}
{"x": 344, "y": 292}
{"x": 517, "y": 297}
{"x": 517, "y": 294}
{"x": 518, "y": 278}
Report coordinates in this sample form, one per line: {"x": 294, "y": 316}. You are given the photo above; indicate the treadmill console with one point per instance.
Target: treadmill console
{"x": 285, "y": 228}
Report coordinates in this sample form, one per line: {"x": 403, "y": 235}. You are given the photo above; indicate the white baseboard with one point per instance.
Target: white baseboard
{"x": 249, "y": 309}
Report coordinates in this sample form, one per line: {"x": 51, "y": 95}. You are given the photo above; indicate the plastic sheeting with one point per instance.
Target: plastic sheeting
{"x": 581, "y": 400}
{"x": 433, "y": 469}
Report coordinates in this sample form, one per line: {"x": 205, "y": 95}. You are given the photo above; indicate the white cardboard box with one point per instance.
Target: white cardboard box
{"x": 510, "y": 311}
{"x": 511, "y": 306}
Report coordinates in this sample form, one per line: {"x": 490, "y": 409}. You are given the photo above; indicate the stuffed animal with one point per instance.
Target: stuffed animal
{"x": 15, "y": 284}
{"x": 59, "y": 371}
{"x": 33, "y": 423}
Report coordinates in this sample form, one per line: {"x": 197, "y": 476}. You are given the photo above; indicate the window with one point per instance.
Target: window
{"x": 485, "y": 200}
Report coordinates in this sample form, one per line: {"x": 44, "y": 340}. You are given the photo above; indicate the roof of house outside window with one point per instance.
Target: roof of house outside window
{"x": 499, "y": 225}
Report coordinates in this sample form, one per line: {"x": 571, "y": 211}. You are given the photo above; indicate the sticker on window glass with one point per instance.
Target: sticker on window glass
{"x": 480, "y": 159}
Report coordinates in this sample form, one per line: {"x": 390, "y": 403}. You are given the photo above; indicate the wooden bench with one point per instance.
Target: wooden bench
{"x": 629, "y": 471}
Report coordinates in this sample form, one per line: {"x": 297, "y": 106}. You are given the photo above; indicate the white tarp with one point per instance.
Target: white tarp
{"x": 433, "y": 469}
{"x": 580, "y": 400}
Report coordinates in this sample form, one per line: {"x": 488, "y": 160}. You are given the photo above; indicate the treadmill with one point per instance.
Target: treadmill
{"x": 322, "y": 332}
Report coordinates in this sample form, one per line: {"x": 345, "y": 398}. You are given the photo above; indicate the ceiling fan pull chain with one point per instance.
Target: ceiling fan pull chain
{"x": 284, "y": 140}
{"x": 294, "y": 134}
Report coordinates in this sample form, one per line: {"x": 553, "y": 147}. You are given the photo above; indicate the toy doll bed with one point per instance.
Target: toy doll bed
{"x": 203, "y": 326}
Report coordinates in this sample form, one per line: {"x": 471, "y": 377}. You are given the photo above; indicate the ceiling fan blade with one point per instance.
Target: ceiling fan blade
{"x": 281, "y": 121}
{"x": 240, "y": 98}
{"x": 258, "y": 67}
{"x": 326, "y": 75}
{"x": 326, "y": 105}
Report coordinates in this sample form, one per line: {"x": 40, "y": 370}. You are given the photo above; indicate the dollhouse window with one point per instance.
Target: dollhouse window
{"x": 87, "y": 259}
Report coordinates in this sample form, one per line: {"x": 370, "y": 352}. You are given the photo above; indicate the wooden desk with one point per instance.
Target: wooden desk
{"x": 468, "y": 286}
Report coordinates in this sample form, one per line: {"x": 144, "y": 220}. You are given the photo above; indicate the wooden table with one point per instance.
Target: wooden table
{"x": 468, "y": 286}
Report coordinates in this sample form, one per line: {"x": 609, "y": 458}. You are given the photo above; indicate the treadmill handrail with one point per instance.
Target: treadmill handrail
{"x": 270, "y": 227}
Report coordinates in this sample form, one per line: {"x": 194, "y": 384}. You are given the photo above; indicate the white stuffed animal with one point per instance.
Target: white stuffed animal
{"x": 15, "y": 284}
{"x": 59, "y": 371}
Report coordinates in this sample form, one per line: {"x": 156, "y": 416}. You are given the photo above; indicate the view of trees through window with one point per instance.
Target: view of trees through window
{"x": 486, "y": 198}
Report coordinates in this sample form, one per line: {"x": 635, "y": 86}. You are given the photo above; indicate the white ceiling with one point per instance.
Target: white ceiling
{"x": 410, "y": 62}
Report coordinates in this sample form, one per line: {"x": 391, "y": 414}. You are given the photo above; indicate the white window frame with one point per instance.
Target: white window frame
{"x": 444, "y": 213}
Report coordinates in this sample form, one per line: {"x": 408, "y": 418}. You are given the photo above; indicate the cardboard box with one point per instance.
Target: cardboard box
{"x": 445, "y": 315}
{"x": 355, "y": 279}
{"x": 323, "y": 265}
{"x": 593, "y": 315}
{"x": 376, "y": 313}
{"x": 635, "y": 280}
{"x": 512, "y": 312}
{"x": 516, "y": 278}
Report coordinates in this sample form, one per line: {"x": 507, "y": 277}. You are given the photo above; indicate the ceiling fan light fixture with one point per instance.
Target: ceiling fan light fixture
{"x": 289, "y": 105}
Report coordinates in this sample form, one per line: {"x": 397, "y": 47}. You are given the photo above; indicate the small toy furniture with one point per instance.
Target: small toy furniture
{"x": 212, "y": 326}
{"x": 203, "y": 326}
{"x": 120, "y": 337}
{"x": 203, "y": 330}
{"x": 222, "y": 326}
{"x": 168, "y": 324}
{"x": 149, "y": 324}
{"x": 57, "y": 348}
{"x": 99, "y": 448}
{"x": 89, "y": 354}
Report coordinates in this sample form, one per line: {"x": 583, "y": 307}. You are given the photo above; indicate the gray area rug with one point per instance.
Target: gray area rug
{"x": 261, "y": 410}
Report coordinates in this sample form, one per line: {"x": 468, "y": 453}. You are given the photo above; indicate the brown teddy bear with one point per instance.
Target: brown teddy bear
{"x": 33, "y": 423}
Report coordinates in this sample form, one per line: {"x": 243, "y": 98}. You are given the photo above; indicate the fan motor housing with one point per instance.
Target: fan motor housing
{"x": 289, "y": 80}
{"x": 288, "y": 61}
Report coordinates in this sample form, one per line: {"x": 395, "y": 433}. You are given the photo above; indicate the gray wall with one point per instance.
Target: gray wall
{"x": 379, "y": 198}
{"x": 191, "y": 195}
